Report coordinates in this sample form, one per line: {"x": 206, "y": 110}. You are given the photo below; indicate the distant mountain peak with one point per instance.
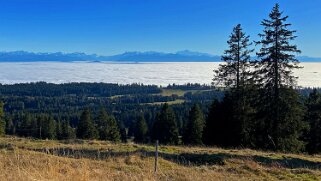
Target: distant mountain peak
{"x": 192, "y": 53}
{"x": 132, "y": 56}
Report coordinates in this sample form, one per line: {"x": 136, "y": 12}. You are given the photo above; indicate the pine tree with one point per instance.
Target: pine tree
{"x": 102, "y": 124}
{"x": 107, "y": 126}
{"x": 25, "y": 127}
{"x": 86, "y": 128}
{"x": 113, "y": 130}
{"x": 235, "y": 72}
{"x": 50, "y": 128}
{"x": 41, "y": 119}
{"x": 34, "y": 129}
{"x": 195, "y": 126}
{"x": 313, "y": 117}
{"x": 236, "y": 77}
{"x": 277, "y": 55}
{"x": 141, "y": 129}
{"x": 274, "y": 74}
{"x": 59, "y": 130}
{"x": 2, "y": 122}
{"x": 165, "y": 127}
{"x": 67, "y": 131}
{"x": 123, "y": 134}
{"x": 46, "y": 127}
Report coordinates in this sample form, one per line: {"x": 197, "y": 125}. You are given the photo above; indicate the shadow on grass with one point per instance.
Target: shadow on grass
{"x": 189, "y": 159}
{"x": 186, "y": 159}
{"x": 287, "y": 162}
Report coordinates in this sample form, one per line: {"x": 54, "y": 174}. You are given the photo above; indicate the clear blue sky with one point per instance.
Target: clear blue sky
{"x": 109, "y": 27}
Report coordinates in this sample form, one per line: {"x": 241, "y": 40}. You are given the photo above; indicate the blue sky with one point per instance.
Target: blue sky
{"x": 108, "y": 27}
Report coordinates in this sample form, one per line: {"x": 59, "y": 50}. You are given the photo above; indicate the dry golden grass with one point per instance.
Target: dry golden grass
{"x": 26, "y": 159}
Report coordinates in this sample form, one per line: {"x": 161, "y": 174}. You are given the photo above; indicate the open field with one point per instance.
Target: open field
{"x": 170, "y": 92}
{"x": 165, "y": 92}
{"x": 179, "y": 92}
{"x": 97, "y": 160}
{"x": 177, "y": 101}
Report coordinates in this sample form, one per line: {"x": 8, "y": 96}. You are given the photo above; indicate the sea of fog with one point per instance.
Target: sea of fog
{"x": 124, "y": 73}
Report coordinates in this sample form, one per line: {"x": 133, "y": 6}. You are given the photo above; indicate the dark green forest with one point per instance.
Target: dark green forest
{"x": 38, "y": 108}
{"x": 252, "y": 103}
{"x": 128, "y": 112}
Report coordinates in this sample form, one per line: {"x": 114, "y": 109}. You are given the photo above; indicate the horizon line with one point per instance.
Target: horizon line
{"x": 135, "y": 51}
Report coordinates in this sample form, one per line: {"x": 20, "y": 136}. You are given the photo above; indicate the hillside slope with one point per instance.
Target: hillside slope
{"x": 96, "y": 160}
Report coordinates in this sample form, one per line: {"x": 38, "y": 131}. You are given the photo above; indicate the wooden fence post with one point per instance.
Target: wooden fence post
{"x": 156, "y": 156}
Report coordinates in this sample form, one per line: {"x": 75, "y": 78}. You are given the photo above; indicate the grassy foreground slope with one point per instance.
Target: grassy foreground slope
{"x": 26, "y": 159}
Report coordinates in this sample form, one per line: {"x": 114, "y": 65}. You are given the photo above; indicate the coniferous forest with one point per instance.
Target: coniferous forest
{"x": 254, "y": 102}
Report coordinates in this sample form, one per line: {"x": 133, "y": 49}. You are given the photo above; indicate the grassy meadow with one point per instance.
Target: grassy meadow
{"x": 28, "y": 159}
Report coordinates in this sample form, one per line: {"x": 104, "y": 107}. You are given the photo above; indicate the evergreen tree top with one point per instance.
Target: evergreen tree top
{"x": 277, "y": 55}
{"x": 234, "y": 73}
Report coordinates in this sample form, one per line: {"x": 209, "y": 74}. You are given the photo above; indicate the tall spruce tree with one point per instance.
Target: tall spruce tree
{"x": 165, "y": 127}
{"x": 86, "y": 128}
{"x": 277, "y": 58}
{"x": 235, "y": 72}
{"x": 274, "y": 75}
{"x": 194, "y": 131}
{"x": 235, "y": 76}
{"x": 140, "y": 131}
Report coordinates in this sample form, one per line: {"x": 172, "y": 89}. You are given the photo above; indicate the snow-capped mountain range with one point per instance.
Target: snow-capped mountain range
{"x": 150, "y": 56}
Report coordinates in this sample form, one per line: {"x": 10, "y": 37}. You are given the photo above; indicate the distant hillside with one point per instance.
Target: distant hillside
{"x": 181, "y": 56}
